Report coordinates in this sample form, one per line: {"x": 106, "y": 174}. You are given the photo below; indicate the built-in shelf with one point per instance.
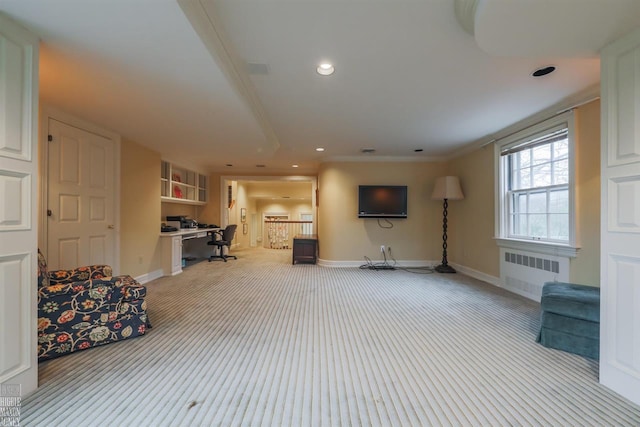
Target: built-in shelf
{"x": 181, "y": 185}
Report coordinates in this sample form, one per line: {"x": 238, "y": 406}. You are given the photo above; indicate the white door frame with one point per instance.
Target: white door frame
{"x": 18, "y": 224}
{"x": 48, "y": 112}
{"x": 620, "y": 227}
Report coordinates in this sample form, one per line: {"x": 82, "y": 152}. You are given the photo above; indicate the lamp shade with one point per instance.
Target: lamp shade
{"x": 447, "y": 187}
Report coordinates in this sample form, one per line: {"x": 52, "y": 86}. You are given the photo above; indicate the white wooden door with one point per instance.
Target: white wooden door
{"x": 81, "y": 197}
{"x": 620, "y": 226}
{"x": 18, "y": 204}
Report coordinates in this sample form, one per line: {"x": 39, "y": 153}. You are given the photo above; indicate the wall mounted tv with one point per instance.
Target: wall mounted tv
{"x": 382, "y": 201}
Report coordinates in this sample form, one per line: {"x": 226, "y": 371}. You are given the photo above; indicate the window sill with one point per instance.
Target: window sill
{"x": 538, "y": 247}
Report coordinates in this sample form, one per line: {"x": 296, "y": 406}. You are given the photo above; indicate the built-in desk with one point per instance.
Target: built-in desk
{"x": 190, "y": 242}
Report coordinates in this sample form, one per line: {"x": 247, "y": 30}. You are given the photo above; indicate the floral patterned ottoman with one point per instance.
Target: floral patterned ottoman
{"x": 86, "y": 307}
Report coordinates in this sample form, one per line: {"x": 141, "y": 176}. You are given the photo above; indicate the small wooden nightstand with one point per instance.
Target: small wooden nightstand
{"x": 305, "y": 248}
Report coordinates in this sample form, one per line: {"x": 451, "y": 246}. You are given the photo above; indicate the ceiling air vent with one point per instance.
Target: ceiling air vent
{"x": 256, "y": 68}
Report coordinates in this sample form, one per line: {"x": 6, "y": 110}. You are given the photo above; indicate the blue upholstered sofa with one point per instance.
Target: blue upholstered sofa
{"x": 86, "y": 307}
{"x": 570, "y": 319}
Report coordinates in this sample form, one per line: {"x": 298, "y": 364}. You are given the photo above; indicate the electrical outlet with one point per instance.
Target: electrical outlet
{"x": 382, "y": 248}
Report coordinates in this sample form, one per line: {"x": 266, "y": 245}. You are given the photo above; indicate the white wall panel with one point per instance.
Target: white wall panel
{"x": 15, "y": 280}
{"x": 624, "y": 204}
{"x": 69, "y": 253}
{"x": 624, "y": 273}
{"x": 97, "y": 209}
{"x": 15, "y": 205}
{"x": 18, "y": 202}
{"x": 97, "y": 249}
{"x": 15, "y": 92}
{"x": 69, "y": 208}
{"x": 98, "y": 169}
{"x": 620, "y": 221}
{"x": 628, "y": 143}
{"x": 69, "y": 160}
{"x": 624, "y": 129}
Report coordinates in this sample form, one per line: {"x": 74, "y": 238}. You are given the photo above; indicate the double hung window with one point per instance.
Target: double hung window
{"x": 536, "y": 185}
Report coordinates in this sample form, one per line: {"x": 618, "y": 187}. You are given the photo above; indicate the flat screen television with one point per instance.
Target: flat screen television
{"x": 382, "y": 201}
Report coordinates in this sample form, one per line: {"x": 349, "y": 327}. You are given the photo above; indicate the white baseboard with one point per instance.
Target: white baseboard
{"x": 146, "y": 278}
{"x": 520, "y": 292}
{"x": 493, "y": 280}
{"x": 399, "y": 263}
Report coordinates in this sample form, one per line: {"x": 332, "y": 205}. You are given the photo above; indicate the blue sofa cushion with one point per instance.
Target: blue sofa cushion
{"x": 571, "y": 300}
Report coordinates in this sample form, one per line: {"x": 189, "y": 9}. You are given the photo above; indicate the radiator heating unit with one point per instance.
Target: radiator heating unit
{"x": 525, "y": 273}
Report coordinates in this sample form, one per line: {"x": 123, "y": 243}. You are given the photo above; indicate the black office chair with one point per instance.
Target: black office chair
{"x": 221, "y": 239}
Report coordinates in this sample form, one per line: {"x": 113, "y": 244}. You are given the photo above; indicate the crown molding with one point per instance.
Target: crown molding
{"x": 379, "y": 159}
{"x": 584, "y": 97}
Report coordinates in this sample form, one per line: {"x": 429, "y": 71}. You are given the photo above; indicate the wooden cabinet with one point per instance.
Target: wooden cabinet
{"x": 305, "y": 248}
{"x": 181, "y": 185}
{"x": 172, "y": 255}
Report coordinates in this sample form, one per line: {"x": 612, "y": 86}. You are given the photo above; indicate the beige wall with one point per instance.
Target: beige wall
{"x": 586, "y": 267}
{"x": 169, "y": 208}
{"x": 470, "y": 232}
{"x": 140, "y": 251}
{"x": 471, "y": 241}
{"x": 343, "y": 236}
{"x": 266, "y": 189}
{"x": 210, "y": 213}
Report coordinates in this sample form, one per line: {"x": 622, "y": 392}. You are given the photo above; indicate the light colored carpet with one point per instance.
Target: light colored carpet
{"x": 257, "y": 341}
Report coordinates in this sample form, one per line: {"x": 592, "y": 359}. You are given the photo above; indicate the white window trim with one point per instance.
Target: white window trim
{"x": 501, "y": 226}
{"x": 538, "y": 247}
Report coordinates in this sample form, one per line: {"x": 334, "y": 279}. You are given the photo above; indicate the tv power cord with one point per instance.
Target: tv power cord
{"x": 383, "y": 265}
{"x": 386, "y": 265}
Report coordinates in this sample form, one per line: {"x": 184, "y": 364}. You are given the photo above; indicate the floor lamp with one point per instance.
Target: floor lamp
{"x": 447, "y": 188}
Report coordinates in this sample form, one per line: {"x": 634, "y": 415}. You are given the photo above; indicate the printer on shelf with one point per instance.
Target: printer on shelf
{"x": 181, "y": 222}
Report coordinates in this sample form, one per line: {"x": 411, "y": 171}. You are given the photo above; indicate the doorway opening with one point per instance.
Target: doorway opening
{"x": 269, "y": 210}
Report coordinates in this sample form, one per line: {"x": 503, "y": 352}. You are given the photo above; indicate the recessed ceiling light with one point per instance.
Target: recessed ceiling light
{"x": 325, "y": 69}
{"x": 294, "y": 166}
{"x": 319, "y": 149}
{"x": 368, "y": 150}
{"x": 260, "y": 166}
{"x": 418, "y": 150}
{"x": 229, "y": 164}
{"x": 543, "y": 71}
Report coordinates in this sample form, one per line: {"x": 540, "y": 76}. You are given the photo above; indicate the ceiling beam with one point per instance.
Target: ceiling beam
{"x": 208, "y": 28}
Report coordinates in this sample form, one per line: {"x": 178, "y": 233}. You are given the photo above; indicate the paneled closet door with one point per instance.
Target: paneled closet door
{"x": 18, "y": 204}
{"x": 620, "y": 226}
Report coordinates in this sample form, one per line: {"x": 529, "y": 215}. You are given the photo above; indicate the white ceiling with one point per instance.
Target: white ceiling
{"x": 173, "y": 76}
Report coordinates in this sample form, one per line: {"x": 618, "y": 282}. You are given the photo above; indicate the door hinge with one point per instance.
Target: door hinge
{"x": 49, "y": 213}
{"x": 50, "y": 138}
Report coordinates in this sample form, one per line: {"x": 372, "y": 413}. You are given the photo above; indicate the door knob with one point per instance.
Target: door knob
{"x": 111, "y": 226}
